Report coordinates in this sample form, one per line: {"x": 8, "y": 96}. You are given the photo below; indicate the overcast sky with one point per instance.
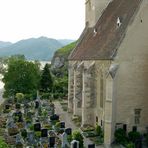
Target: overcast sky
{"x": 22, "y": 19}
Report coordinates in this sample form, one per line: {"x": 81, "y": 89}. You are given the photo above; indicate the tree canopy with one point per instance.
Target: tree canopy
{"x": 46, "y": 82}
{"x": 21, "y": 77}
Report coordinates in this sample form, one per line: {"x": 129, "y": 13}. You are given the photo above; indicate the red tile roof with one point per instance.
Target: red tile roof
{"x": 104, "y": 44}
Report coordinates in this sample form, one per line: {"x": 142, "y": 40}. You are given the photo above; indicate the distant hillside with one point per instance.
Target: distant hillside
{"x": 4, "y": 44}
{"x": 34, "y": 48}
{"x": 65, "y": 41}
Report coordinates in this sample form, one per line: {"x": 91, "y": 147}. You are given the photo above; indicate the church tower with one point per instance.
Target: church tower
{"x": 93, "y": 10}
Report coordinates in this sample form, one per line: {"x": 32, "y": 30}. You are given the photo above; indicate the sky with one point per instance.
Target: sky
{"x": 59, "y": 19}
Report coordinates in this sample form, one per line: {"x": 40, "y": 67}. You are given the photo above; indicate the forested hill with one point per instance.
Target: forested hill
{"x": 4, "y": 44}
{"x": 42, "y": 48}
{"x": 59, "y": 62}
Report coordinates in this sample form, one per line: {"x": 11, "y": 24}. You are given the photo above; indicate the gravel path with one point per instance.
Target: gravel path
{"x": 66, "y": 117}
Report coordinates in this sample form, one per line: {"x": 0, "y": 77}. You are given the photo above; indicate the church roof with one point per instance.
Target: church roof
{"x": 102, "y": 41}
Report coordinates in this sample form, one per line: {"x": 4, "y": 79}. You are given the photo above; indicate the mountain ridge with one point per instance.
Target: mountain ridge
{"x": 41, "y": 48}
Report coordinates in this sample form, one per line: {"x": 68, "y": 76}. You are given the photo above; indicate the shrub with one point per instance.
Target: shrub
{"x": 130, "y": 145}
{"x": 31, "y": 127}
{"x": 38, "y": 134}
{"x": 76, "y": 135}
{"x": 98, "y": 130}
{"x": 24, "y": 133}
{"x": 133, "y": 136}
{"x": 3, "y": 144}
{"x": 146, "y": 139}
{"x": 120, "y": 136}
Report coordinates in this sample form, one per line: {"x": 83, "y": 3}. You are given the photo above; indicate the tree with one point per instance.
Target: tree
{"x": 21, "y": 77}
{"x": 46, "y": 82}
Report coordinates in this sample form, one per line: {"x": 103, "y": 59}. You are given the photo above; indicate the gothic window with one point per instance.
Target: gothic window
{"x": 137, "y": 116}
{"x": 101, "y": 92}
{"x": 97, "y": 119}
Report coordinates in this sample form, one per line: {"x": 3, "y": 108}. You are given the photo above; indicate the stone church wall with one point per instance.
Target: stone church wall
{"x": 131, "y": 81}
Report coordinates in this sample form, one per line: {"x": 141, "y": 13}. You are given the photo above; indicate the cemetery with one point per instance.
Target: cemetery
{"x": 34, "y": 124}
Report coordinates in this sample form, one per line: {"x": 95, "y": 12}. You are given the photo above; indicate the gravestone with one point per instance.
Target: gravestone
{"x": 51, "y": 142}
{"x": 52, "y": 110}
{"x": 31, "y": 138}
{"x": 68, "y": 131}
{"x": 7, "y": 106}
{"x": 54, "y": 117}
{"x": 44, "y": 133}
{"x": 62, "y": 124}
{"x": 64, "y": 140}
{"x": 37, "y": 127}
{"x": 91, "y": 146}
{"x": 37, "y": 104}
{"x": 74, "y": 144}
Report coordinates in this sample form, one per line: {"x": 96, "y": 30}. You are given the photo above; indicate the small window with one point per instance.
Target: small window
{"x": 137, "y": 116}
{"x": 97, "y": 119}
{"x": 125, "y": 127}
{"x": 119, "y": 22}
{"x": 101, "y": 123}
{"x": 137, "y": 112}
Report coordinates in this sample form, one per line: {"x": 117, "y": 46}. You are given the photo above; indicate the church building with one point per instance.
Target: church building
{"x": 108, "y": 69}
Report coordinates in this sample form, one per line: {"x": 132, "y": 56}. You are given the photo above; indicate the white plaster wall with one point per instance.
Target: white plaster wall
{"x": 131, "y": 89}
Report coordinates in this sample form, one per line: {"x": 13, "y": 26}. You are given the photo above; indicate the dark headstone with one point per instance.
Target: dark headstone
{"x": 91, "y": 146}
{"x": 68, "y": 131}
{"x": 7, "y": 106}
{"x": 20, "y": 119}
{"x": 51, "y": 141}
{"x": 17, "y": 106}
{"x": 62, "y": 124}
{"x": 75, "y": 145}
{"x": 44, "y": 133}
{"x": 54, "y": 117}
{"x": 37, "y": 127}
{"x": 36, "y": 104}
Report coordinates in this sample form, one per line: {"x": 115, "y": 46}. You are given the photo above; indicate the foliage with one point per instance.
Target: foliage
{"x": 146, "y": 139}
{"x": 133, "y": 136}
{"x": 31, "y": 127}
{"x": 3, "y": 62}
{"x": 3, "y": 144}
{"x": 76, "y": 135}
{"x": 38, "y": 133}
{"x": 69, "y": 138}
{"x": 20, "y": 97}
{"x": 46, "y": 82}
{"x": 120, "y": 136}
{"x": 130, "y": 145}
{"x": 24, "y": 133}
{"x": 60, "y": 88}
{"x": 21, "y": 77}
{"x": 98, "y": 130}
{"x": 66, "y": 49}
